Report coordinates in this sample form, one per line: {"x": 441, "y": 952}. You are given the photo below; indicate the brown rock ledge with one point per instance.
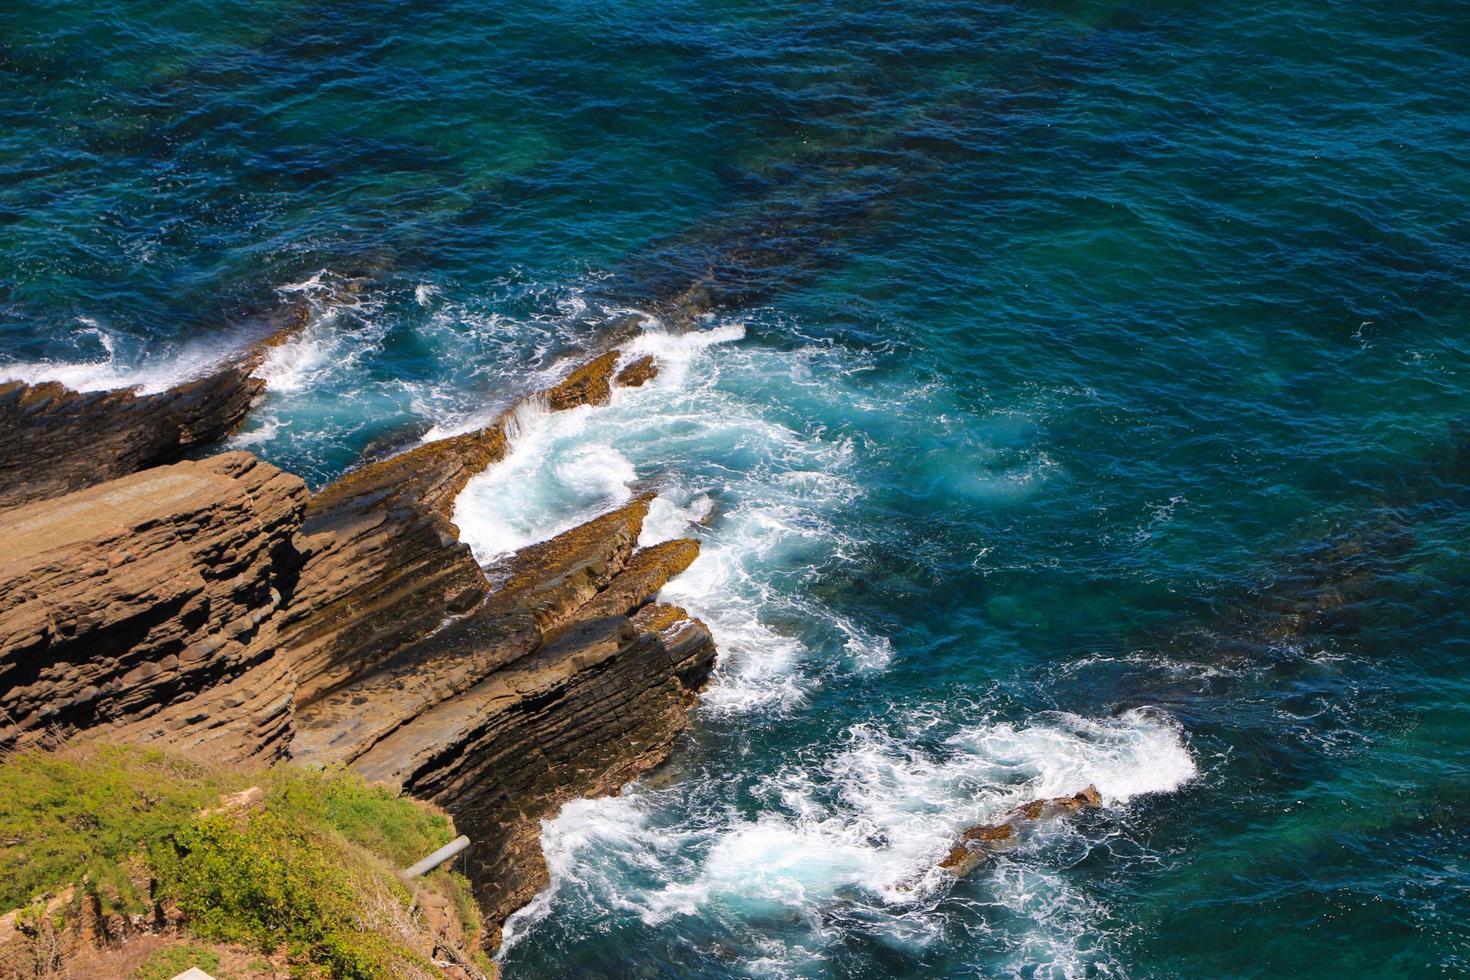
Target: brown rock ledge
{"x": 123, "y": 605}
{"x": 546, "y": 691}
{"x": 637, "y": 373}
{"x": 213, "y": 605}
{"x": 387, "y": 566}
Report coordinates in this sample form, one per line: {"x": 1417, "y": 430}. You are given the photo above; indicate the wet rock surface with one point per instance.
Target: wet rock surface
{"x": 637, "y": 373}
{"x": 976, "y": 845}
{"x": 587, "y": 384}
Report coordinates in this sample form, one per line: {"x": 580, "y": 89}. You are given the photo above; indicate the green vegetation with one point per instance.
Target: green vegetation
{"x": 308, "y": 871}
{"x": 170, "y": 961}
{"x": 265, "y": 882}
{"x": 86, "y": 813}
{"x": 370, "y": 816}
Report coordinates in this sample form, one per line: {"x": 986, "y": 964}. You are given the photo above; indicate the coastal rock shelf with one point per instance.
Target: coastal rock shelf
{"x": 217, "y": 606}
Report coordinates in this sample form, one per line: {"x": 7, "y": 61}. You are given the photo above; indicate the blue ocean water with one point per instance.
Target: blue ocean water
{"x": 1088, "y": 404}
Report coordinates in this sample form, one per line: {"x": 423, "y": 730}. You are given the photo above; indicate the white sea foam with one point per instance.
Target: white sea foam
{"x": 858, "y": 826}
{"x": 265, "y": 428}
{"x": 146, "y": 375}
{"x": 860, "y": 830}
{"x": 668, "y": 519}
{"x": 321, "y": 388}
{"x": 778, "y": 492}
{"x": 896, "y": 810}
{"x": 338, "y": 335}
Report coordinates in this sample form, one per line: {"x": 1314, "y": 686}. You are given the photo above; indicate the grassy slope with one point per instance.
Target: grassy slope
{"x": 309, "y": 872}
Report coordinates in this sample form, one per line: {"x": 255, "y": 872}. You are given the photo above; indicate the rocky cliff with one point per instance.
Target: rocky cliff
{"x": 217, "y": 606}
{"x": 145, "y": 608}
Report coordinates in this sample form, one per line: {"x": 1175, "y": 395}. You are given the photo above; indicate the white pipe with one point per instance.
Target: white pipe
{"x": 434, "y": 860}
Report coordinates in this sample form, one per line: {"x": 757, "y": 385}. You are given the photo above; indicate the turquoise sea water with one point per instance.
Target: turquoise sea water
{"x": 1091, "y": 404}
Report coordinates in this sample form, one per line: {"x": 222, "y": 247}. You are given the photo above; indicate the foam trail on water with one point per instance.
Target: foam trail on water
{"x": 320, "y": 384}
{"x": 553, "y": 478}
{"x": 880, "y": 812}
{"x": 668, "y": 520}
{"x": 558, "y": 471}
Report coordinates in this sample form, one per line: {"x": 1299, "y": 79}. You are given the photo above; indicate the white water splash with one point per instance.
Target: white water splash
{"x": 778, "y": 494}
{"x": 868, "y": 824}
{"x": 147, "y": 375}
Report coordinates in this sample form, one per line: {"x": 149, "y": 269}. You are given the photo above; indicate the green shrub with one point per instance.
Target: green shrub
{"x": 265, "y": 882}
{"x": 170, "y": 961}
{"x": 370, "y": 816}
{"x": 311, "y": 871}
{"x": 87, "y": 811}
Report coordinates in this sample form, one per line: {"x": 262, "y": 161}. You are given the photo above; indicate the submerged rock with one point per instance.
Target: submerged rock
{"x": 979, "y": 843}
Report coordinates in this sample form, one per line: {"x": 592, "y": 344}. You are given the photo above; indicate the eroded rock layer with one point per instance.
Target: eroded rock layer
{"x": 126, "y": 603}
{"x": 564, "y": 682}
{"x": 387, "y": 566}
{"x": 599, "y": 703}
{"x": 218, "y": 607}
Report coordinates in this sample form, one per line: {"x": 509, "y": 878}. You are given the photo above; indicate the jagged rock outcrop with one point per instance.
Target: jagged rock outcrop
{"x": 216, "y": 605}
{"x": 586, "y": 384}
{"x": 144, "y": 608}
{"x": 54, "y": 440}
{"x": 599, "y": 702}
{"x": 978, "y": 843}
{"x": 387, "y": 566}
{"x": 497, "y": 702}
{"x": 637, "y": 373}
{"x": 548, "y": 583}
{"x": 553, "y": 579}
{"x": 546, "y": 691}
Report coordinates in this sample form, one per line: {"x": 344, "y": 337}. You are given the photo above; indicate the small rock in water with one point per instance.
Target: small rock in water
{"x": 637, "y": 373}
{"x": 979, "y": 842}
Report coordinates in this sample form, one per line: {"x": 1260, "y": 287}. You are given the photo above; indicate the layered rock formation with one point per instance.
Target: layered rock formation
{"x": 54, "y": 440}
{"x": 498, "y": 704}
{"x": 548, "y": 690}
{"x": 145, "y": 608}
{"x": 216, "y": 606}
{"x": 388, "y": 566}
